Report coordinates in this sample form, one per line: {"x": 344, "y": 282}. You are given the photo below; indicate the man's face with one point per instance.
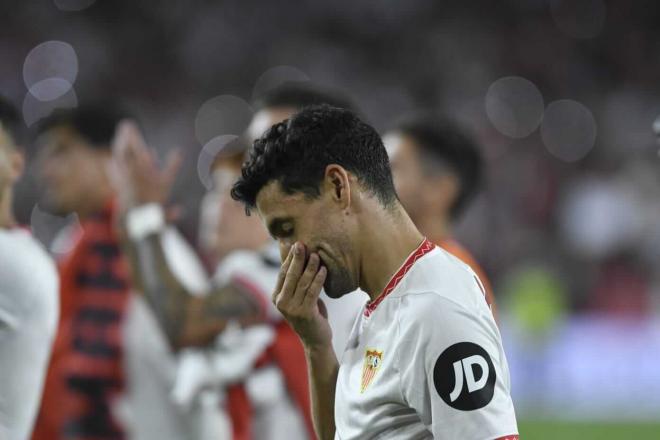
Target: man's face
{"x": 69, "y": 170}
{"x": 224, "y": 227}
{"x": 409, "y": 177}
{"x": 421, "y": 192}
{"x": 320, "y": 225}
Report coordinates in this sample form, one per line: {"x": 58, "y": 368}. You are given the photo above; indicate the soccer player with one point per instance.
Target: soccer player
{"x": 425, "y": 357}
{"x": 28, "y": 298}
{"x": 85, "y": 377}
{"x": 437, "y": 171}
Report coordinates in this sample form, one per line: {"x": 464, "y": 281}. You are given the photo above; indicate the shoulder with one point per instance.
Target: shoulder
{"x": 29, "y": 277}
{"x": 18, "y": 248}
{"x": 441, "y": 279}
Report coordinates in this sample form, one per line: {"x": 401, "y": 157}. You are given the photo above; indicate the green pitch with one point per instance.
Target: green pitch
{"x": 565, "y": 430}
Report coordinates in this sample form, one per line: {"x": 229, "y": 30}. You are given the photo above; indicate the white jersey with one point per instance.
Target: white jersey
{"x": 425, "y": 360}
{"x": 29, "y": 308}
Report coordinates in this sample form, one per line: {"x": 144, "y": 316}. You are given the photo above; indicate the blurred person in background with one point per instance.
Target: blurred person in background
{"x": 85, "y": 377}
{"x": 247, "y": 355}
{"x": 28, "y": 297}
{"x": 281, "y": 103}
{"x": 437, "y": 170}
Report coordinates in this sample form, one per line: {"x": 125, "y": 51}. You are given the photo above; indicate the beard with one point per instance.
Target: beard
{"x": 338, "y": 282}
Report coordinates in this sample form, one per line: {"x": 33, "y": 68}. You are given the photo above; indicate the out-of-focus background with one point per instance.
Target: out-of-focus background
{"x": 561, "y": 94}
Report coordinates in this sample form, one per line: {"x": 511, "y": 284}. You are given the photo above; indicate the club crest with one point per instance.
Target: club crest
{"x": 372, "y": 361}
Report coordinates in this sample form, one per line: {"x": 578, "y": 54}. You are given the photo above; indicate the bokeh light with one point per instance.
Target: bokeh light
{"x": 209, "y": 153}
{"x": 35, "y": 109}
{"x": 568, "y": 130}
{"x": 222, "y": 115}
{"x": 56, "y": 232}
{"x": 276, "y": 76}
{"x": 48, "y": 68}
{"x": 50, "y": 89}
{"x": 598, "y": 218}
{"x": 514, "y": 106}
{"x": 579, "y": 18}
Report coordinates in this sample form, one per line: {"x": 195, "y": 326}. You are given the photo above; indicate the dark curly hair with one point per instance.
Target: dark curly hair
{"x": 297, "y": 151}
{"x": 444, "y": 144}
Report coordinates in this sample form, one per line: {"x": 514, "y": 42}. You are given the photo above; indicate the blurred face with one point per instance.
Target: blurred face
{"x": 224, "y": 225}
{"x": 409, "y": 178}
{"x": 70, "y": 171}
{"x": 10, "y": 163}
{"x": 318, "y": 223}
{"x": 422, "y": 193}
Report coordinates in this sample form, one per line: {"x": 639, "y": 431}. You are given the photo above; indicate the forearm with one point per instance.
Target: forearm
{"x": 186, "y": 319}
{"x": 323, "y": 368}
{"x": 167, "y": 297}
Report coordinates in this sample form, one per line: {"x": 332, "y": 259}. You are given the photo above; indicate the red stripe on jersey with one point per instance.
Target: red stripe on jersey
{"x": 422, "y": 250}
{"x": 509, "y": 437}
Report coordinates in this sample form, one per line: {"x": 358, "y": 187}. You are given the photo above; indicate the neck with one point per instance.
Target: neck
{"x": 387, "y": 239}
{"x": 436, "y": 227}
{"x": 6, "y": 217}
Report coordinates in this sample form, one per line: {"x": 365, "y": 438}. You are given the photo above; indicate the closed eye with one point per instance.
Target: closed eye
{"x": 281, "y": 228}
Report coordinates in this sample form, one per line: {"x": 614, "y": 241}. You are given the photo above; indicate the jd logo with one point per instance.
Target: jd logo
{"x": 464, "y": 376}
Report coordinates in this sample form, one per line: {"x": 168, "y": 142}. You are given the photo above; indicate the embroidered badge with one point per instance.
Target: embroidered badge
{"x": 372, "y": 361}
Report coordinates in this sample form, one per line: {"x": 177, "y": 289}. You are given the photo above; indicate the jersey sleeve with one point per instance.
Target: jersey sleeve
{"x": 453, "y": 370}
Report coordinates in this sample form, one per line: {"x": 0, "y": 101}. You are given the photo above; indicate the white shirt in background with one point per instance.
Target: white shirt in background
{"x": 29, "y": 310}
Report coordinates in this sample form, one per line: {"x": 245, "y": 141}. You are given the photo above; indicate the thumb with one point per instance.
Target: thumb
{"x": 323, "y": 310}
{"x": 172, "y": 165}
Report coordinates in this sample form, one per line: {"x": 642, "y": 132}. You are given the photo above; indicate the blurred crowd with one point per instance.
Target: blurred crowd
{"x": 560, "y": 96}
{"x": 571, "y": 194}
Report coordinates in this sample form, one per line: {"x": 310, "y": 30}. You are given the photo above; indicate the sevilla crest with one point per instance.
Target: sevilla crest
{"x": 372, "y": 361}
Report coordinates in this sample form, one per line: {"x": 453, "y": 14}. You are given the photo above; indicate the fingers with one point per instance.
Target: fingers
{"x": 311, "y": 297}
{"x": 294, "y": 271}
{"x": 280, "y": 278}
{"x": 128, "y": 146}
{"x": 173, "y": 164}
{"x": 306, "y": 278}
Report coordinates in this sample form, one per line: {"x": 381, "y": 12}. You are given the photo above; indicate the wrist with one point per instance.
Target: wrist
{"x": 145, "y": 220}
{"x": 317, "y": 349}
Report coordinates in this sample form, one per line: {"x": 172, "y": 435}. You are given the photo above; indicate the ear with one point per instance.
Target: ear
{"x": 338, "y": 183}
